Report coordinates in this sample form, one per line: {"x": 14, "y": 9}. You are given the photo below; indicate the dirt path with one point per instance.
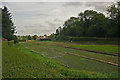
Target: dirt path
{"x": 114, "y": 64}
{"x": 95, "y": 51}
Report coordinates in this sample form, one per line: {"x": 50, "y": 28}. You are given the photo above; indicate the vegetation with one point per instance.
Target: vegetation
{"x": 102, "y": 48}
{"x": 57, "y": 51}
{"x": 34, "y": 37}
{"x": 26, "y": 38}
{"x": 8, "y": 28}
{"x": 0, "y": 22}
{"x": 91, "y": 24}
{"x": 18, "y": 65}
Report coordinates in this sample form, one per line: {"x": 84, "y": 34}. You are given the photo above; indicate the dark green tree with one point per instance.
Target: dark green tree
{"x": 57, "y": 31}
{"x": 45, "y": 35}
{"x": 29, "y": 37}
{"x": 34, "y": 37}
{"x": 0, "y": 22}
{"x": 92, "y": 24}
{"x": 8, "y": 28}
{"x": 114, "y": 20}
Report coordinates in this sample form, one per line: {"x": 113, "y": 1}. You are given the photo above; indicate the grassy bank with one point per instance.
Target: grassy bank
{"x": 24, "y": 64}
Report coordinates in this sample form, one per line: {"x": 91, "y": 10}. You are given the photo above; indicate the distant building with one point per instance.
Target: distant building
{"x": 45, "y": 37}
{"x": 3, "y": 39}
{"x": 42, "y": 37}
{"x": 38, "y": 38}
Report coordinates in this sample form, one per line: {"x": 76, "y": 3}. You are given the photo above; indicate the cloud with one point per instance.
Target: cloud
{"x": 100, "y": 6}
{"x": 42, "y": 14}
{"x": 0, "y": 4}
{"x": 52, "y": 24}
{"x": 58, "y": 1}
{"x": 73, "y": 4}
{"x": 34, "y": 32}
{"x": 58, "y": 20}
{"x": 33, "y": 29}
{"x": 47, "y": 27}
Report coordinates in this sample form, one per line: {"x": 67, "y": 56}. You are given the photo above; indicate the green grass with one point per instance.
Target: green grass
{"x": 107, "y": 58}
{"x": 21, "y": 62}
{"x": 54, "y": 51}
{"x": 24, "y": 64}
{"x": 102, "y": 48}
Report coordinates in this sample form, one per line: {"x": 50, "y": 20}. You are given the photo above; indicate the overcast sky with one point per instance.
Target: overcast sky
{"x": 45, "y": 17}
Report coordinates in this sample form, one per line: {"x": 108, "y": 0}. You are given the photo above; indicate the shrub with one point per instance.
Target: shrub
{"x": 83, "y": 38}
{"x": 63, "y": 38}
{"x": 11, "y": 42}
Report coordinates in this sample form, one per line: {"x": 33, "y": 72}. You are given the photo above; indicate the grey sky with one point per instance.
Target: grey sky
{"x": 45, "y": 17}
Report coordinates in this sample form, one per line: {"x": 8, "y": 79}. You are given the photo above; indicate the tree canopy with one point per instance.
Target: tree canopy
{"x": 92, "y": 24}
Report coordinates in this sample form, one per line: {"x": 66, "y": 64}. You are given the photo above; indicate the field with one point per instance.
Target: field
{"x": 40, "y": 59}
{"x": 102, "y": 48}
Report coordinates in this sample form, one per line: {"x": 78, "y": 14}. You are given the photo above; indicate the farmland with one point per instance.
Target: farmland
{"x": 102, "y": 48}
{"x": 38, "y": 61}
{"x": 57, "y": 51}
{"x": 57, "y": 48}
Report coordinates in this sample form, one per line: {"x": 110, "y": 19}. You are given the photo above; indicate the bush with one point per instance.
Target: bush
{"x": 83, "y": 38}
{"x": 63, "y": 38}
{"x": 15, "y": 39}
{"x": 11, "y": 42}
{"x": 22, "y": 40}
{"x": 45, "y": 39}
{"x": 68, "y": 38}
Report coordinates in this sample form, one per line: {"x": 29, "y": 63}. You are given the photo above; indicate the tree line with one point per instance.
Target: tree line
{"x": 91, "y": 23}
{"x": 27, "y": 37}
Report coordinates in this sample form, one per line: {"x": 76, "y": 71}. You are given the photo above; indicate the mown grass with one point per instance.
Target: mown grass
{"x": 101, "y": 48}
{"x": 22, "y": 62}
{"x": 54, "y": 51}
